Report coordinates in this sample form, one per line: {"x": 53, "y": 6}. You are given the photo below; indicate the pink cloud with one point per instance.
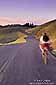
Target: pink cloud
{"x": 5, "y": 20}
{"x": 35, "y": 20}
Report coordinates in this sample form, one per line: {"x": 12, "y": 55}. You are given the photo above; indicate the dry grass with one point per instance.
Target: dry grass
{"x": 12, "y": 38}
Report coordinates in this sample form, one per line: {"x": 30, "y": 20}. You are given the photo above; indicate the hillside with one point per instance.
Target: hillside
{"x": 10, "y": 33}
{"x": 50, "y": 28}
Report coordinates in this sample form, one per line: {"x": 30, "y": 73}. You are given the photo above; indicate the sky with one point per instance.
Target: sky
{"x": 22, "y": 11}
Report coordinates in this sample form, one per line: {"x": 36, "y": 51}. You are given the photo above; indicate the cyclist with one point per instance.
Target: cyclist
{"x": 44, "y": 46}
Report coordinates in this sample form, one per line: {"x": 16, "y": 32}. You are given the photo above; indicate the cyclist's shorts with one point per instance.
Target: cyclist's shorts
{"x": 44, "y": 45}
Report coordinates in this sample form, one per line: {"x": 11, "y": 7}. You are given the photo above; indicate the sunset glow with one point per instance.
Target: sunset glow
{"x": 22, "y": 11}
{"x": 37, "y": 21}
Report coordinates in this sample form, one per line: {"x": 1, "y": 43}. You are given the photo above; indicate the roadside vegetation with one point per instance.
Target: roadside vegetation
{"x": 14, "y": 33}
{"x": 8, "y": 37}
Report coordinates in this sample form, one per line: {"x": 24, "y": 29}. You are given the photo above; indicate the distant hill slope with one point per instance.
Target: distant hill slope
{"x": 11, "y": 33}
{"x": 50, "y": 28}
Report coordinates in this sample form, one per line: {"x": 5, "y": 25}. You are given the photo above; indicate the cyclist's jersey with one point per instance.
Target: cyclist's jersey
{"x": 44, "y": 44}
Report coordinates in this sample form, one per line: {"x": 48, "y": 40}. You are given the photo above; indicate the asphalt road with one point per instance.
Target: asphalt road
{"x": 21, "y": 64}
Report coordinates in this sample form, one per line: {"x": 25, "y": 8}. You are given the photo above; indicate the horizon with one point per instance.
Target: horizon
{"x": 23, "y": 11}
{"x": 25, "y": 23}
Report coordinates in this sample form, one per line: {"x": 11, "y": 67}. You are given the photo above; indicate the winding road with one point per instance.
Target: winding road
{"x": 21, "y": 64}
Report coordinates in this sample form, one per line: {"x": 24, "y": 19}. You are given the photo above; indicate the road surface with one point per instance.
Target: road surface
{"x": 21, "y": 64}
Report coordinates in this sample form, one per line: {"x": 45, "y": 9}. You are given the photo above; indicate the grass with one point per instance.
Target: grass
{"x": 8, "y": 37}
{"x": 11, "y": 33}
{"x": 12, "y": 38}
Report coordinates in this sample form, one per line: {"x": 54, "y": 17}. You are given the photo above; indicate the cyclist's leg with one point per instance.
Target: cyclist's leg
{"x": 42, "y": 55}
{"x": 46, "y": 56}
{"x": 45, "y": 59}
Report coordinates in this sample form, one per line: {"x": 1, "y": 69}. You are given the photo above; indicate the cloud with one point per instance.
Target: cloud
{"x": 22, "y": 20}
